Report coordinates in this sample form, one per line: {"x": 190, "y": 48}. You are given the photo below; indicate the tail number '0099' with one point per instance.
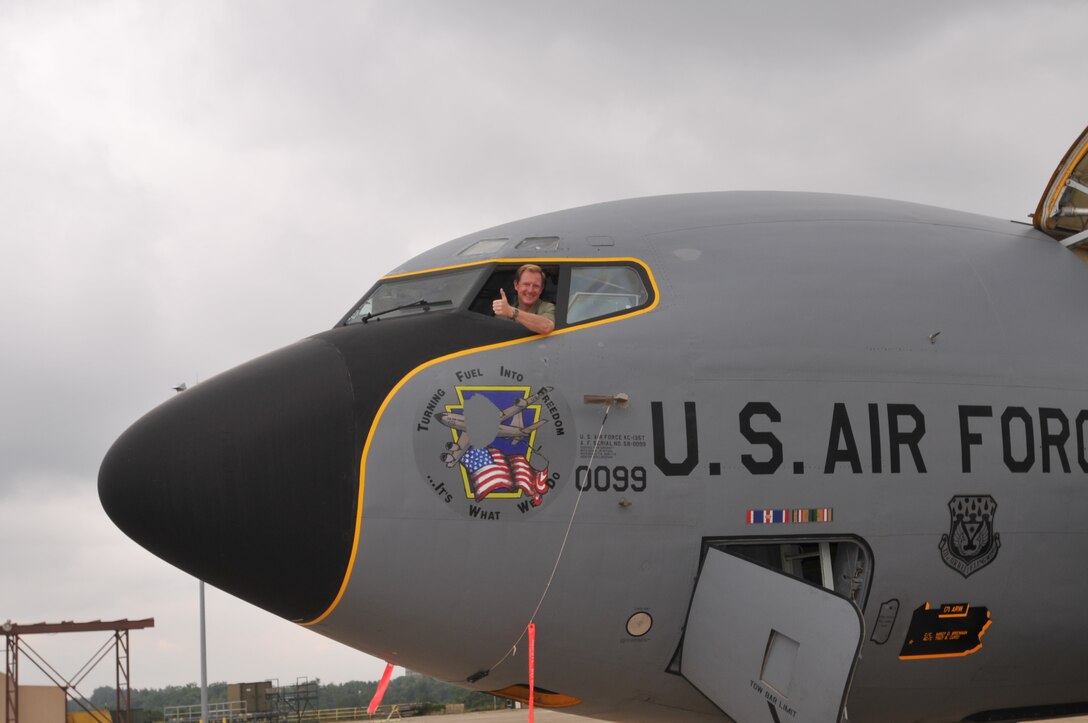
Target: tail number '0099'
{"x": 618, "y": 479}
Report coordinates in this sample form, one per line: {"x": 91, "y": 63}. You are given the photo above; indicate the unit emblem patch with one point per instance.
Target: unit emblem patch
{"x": 493, "y": 448}
{"x": 971, "y": 543}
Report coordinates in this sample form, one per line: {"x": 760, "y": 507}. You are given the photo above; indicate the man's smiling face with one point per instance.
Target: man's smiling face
{"x": 529, "y": 287}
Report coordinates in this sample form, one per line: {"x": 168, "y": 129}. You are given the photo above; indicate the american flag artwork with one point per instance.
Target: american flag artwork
{"x": 487, "y": 471}
{"x": 505, "y": 467}
{"x": 491, "y": 471}
{"x": 534, "y": 482}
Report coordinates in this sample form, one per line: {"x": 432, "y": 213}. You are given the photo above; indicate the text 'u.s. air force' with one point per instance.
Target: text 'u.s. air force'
{"x": 879, "y": 438}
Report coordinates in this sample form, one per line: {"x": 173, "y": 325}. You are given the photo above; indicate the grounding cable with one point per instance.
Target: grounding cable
{"x": 608, "y": 401}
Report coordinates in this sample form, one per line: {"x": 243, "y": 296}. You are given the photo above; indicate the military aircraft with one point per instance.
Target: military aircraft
{"x": 785, "y": 457}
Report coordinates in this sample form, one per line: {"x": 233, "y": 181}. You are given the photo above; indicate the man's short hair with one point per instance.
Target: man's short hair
{"x": 532, "y": 268}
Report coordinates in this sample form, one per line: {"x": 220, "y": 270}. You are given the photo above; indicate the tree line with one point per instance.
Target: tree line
{"x": 150, "y": 702}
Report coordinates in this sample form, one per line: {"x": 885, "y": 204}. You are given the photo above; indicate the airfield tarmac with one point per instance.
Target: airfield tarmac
{"x": 551, "y": 716}
{"x": 510, "y": 716}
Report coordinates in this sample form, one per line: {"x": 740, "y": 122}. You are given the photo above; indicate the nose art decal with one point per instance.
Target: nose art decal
{"x": 493, "y": 449}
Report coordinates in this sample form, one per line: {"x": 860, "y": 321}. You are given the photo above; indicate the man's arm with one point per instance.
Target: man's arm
{"x": 537, "y": 323}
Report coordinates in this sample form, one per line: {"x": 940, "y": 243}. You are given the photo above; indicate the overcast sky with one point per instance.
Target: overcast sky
{"x": 187, "y": 185}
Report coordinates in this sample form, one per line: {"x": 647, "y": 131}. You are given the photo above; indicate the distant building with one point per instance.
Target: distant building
{"x": 38, "y": 703}
{"x": 255, "y": 695}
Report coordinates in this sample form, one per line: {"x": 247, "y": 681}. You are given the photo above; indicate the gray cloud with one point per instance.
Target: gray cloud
{"x": 187, "y": 186}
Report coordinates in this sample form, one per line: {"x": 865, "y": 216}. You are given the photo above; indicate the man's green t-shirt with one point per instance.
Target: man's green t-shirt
{"x": 542, "y": 308}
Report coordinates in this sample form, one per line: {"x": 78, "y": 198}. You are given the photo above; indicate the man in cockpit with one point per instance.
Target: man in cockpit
{"x": 531, "y": 311}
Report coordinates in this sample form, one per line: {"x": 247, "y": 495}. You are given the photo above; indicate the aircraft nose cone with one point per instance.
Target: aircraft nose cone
{"x": 249, "y": 480}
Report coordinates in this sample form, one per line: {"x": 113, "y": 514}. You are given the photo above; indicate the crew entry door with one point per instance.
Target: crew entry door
{"x": 768, "y": 647}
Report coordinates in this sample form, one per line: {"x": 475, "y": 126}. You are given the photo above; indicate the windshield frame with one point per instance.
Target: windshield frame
{"x": 641, "y": 271}
{"x": 413, "y": 308}
{"x": 561, "y": 275}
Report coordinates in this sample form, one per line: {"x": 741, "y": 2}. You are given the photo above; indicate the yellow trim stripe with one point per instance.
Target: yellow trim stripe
{"x": 537, "y": 261}
{"x": 488, "y": 347}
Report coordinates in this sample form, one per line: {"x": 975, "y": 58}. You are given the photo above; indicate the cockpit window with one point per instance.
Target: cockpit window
{"x": 415, "y": 295}
{"x": 601, "y": 290}
{"x": 581, "y": 291}
{"x": 484, "y": 246}
{"x": 539, "y": 243}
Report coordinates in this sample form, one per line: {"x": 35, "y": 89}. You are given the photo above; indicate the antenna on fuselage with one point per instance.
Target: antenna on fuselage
{"x": 620, "y": 400}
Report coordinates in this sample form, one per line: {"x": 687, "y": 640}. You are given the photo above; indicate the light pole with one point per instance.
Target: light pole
{"x": 203, "y": 662}
{"x": 203, "y": 636}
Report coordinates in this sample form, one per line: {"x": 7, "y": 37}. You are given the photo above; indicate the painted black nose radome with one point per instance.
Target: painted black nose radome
{"x": 248, "y": 480}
